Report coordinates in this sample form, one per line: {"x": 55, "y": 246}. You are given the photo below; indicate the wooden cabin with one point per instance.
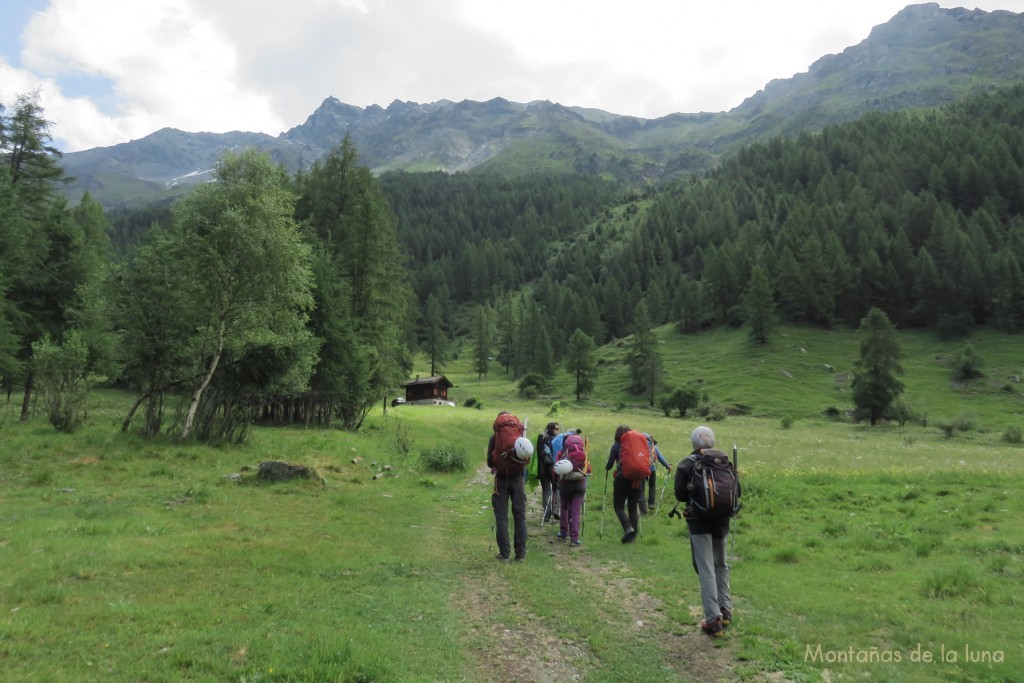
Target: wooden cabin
{"x": 428, "y": 391}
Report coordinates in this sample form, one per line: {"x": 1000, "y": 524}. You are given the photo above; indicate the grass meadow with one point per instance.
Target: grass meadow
{"x": 879, "y": 554}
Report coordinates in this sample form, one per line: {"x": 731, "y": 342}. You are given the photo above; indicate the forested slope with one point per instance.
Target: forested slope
{"x": 919, "y": 213}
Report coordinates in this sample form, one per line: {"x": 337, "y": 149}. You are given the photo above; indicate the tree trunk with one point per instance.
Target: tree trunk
{"x": 131, "y": 411}
{"x": 26, "y": 402}
{"x": 193, "y": 406}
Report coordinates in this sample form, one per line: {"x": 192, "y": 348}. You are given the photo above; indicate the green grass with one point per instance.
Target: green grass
{"x": 123, "y": 559}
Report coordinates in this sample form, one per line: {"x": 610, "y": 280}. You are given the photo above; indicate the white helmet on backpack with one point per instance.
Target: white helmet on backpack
{"x": 523, "y": 449}
{"x": 563, "y": 467}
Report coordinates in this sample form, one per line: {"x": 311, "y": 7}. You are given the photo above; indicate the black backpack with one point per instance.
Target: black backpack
{"x": 544, "y": 454}
{"x": 713, "y": 486}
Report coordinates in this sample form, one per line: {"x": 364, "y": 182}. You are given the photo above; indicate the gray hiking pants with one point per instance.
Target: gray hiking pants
{"x": 710, "y": 561}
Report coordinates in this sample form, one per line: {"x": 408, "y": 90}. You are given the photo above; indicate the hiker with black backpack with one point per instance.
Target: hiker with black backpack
{"x": 631, "y": 458}
{"x": 508, "y": 454}
{"x": 708, "y": 485}
{"x": 545, "y": 468}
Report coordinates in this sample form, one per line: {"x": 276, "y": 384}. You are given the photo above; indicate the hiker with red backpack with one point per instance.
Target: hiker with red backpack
{"x": 508, "y": 454}
{"x": 572, "y": 468}
{"x": 631, "y": 457}
{"x": 707, "y": 483}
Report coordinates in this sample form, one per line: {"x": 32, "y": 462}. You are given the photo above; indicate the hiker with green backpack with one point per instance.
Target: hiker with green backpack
{"x": 708, "y": 485}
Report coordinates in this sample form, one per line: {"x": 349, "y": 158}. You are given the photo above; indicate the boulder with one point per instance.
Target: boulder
{"x": 276, "y": 470}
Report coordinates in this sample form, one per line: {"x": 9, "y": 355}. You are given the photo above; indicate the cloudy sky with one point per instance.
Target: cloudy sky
{"x": 109, "y": 71}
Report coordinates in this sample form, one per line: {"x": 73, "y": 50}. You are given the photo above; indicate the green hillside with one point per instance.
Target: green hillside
{"x": 803, "y": 373}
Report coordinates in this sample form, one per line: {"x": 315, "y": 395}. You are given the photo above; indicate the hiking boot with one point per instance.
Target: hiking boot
{"x": 561, "y": 537}
{"x": 629, "y": 536}
{"x": 713, "y": 628}
{"x": 576, "y": 544}
{"x": 520, "y": 558}
{"x": 726, "y": 617}
{"x": 501, "y": 558}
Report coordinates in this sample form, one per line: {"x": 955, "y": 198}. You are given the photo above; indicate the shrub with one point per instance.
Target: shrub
{"x": 472, "y": 402}
{"x": 445, "y": 459}
{"x": 532, "y": 385}
{"x": 1012, "y": 434}
{"x": 64, "y": 379}
{"x": 960, "y": 423}
{"x": 555, "y": 409}
{"x": 787, "y": 421}
{"x": 966, "y": 364}
{"x": 832, "y": 413}
{"x": 682, "y": 399}
{"x": 901, "y": 412}
{"x": 716, "y": 413}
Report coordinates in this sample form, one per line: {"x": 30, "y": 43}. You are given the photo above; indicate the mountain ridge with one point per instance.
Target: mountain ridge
{"x": 922, "y": 57}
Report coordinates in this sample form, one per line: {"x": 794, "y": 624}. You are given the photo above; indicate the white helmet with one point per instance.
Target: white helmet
{"x": 524, "y": 449}
{"x": 563, "y": 467}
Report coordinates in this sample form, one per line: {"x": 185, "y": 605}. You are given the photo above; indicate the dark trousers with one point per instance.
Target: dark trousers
{"x": 652, "y": 488}
{"x": 546, "y": 490}
{"x": 623, "y": 496}
{"x": 506, "y": 488}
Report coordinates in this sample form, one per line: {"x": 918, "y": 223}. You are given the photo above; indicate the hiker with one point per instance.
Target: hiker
{"x": 508, "y": 454}
{"x": 627, "y": 488}
{"x": 545, "y": 468}
{"x": 572, "y": 487}
{"x": 707, "y": 542}
{"x": 556, "y": 450}
{"x": 651, "y": 484}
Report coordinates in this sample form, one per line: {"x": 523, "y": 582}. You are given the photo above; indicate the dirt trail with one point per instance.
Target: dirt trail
{"x": 534, "y": 652}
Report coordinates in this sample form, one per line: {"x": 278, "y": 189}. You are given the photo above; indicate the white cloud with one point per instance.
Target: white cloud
{"x": 165, "y": 65}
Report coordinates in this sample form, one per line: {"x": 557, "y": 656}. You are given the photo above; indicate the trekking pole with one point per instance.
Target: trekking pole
{"x": 604, "y": 504}
{"x": 583, "y": 516}
{"x": 664, "y": 488}
{"x": 733, "y": 534}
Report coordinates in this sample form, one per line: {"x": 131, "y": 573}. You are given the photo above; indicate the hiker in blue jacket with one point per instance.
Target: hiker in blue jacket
{"x": 652, "y": 481}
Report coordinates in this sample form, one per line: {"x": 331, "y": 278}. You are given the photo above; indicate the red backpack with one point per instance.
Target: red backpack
{"x": 575, "y": 451}
{"x": 507, "y": 428}
{"x": 634, "y": 456}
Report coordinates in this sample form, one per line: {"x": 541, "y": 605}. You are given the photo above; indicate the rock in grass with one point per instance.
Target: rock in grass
{"x": 276, "y": 470}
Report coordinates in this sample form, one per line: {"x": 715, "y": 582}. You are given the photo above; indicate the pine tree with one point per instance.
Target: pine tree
{"x": 875, "y": 386}
{"x": 581, "y": 362}
{"x": 435, "y": 337}
{"x": 759, "y": 307}
{"x": 644, "y": 359}
{"x": 362, "y": 304}
{"x": 484, "y": 337}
